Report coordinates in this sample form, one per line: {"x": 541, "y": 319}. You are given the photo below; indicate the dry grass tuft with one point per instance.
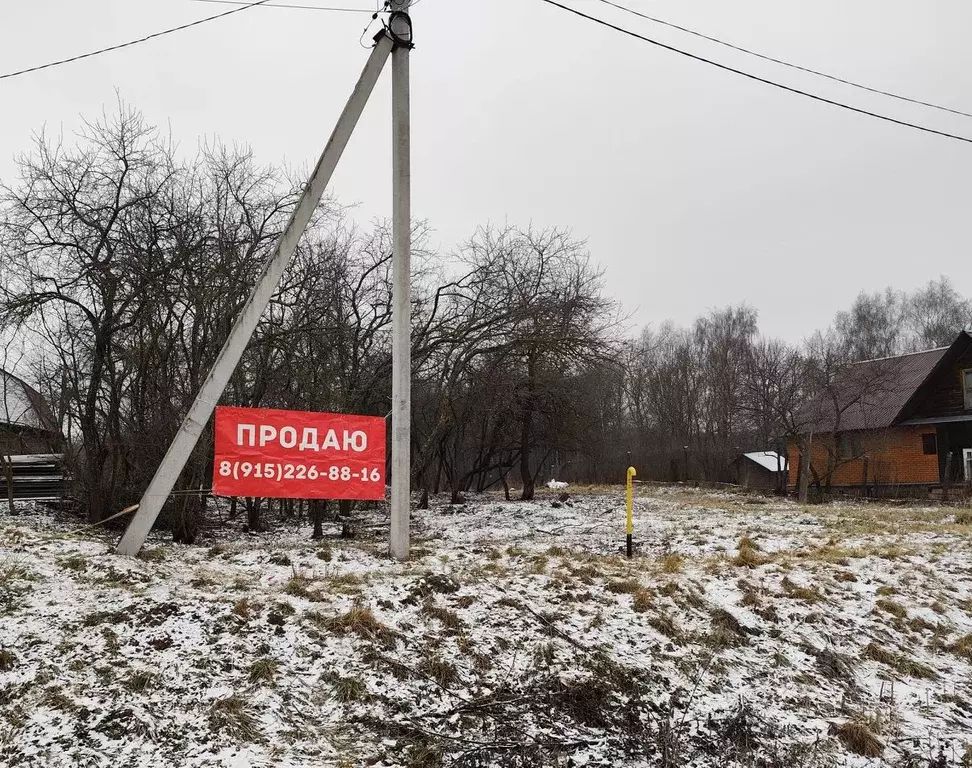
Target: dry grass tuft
{"x": 834, "y": 665}
{"x": 886, "y": 590}
{"x": 899, "y": 662}
{"x": 643, "y": 601}
{"x": 538, "y": 564}
{"x": 264, "y": 670}
{"x": 845, "y": 576}
{"x": 283, "y": 608}
{"x": 666, "y": 625}
{"x": 231, "y": 715}
{"x": 749, "y": 555}
{"x": 963, "y": 647}
{"x": 895, "y": 609}
{"x": 7, "y": 660}
{"x": 362, "y": 622}
{"x": 245, "y": 609}
{"x": 750, "y": 600}
{"x": 747, "y": 542}
{"x": 11, "y": 571}
{"x": 671, "y": 563}
{"x": 424, "y": 754}
{"x": 689, "y": 597}
{"x": 297, "y": 586}
{"x": 348, "y": 689}
{"x": 796, "y": 592}
{"x": 443, "y": 672}
{"x": 859, "y": 739}
{"x": 894, "y": 552}
{"x": 751, "y": 594}
{"x": 725, "y": 631}
{"x": 623, "y": 586}
{"x": 918, "y": 624}
{"x": 963, "y": 517}
{"x": 141, "y": 680}
{"x": 585, "y": 574}
{"x": 104, "y": 617}
{"x": 449, "y": 619}
{"x": 348, "y": 583}
{"x": 154, "y": 555}
{"x": 55, "y": 698}
{"x": 514, "y": 551}
{"x": 77, "y": 563}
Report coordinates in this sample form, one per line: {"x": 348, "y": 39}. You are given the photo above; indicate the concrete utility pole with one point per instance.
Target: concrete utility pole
{"x": 401, "y": 466}
{"x": 202, "y": 408}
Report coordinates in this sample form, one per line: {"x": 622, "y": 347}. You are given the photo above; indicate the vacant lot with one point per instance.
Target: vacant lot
{"x": 744, "y": 632}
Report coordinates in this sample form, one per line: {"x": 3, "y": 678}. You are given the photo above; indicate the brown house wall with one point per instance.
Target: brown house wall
{"x": 944, "y": 395}
{"x": 894, "y": 456}
{"x": 18, "y": 441}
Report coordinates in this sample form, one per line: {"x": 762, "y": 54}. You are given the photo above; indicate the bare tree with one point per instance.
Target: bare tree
{"x": 532, "y": 302}
{"x": 82, "y": 258}
{"x": 936, "y": 313}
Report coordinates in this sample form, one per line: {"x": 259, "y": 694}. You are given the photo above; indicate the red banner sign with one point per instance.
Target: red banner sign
{"x": 298, "y": 454}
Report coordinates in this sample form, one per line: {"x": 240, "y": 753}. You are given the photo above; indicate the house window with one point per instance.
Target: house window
{"x": 850, "y": 447}
{"x": 929, "y": 444}
{"x": 967, "y": 388}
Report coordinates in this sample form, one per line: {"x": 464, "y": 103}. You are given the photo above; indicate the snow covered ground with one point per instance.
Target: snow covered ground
{"x": 745, "y": 632}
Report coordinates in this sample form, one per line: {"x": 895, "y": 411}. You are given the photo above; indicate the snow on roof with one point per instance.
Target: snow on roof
{"x": 770, "y": 460}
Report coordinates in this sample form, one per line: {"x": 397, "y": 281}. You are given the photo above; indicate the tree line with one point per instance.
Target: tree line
{"x": 123, "y": 266}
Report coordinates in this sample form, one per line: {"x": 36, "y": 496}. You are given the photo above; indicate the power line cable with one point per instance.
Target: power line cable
{"x": 757, "y": 78}
{"x": 785, "y": 63}
{"x": 301, "y": 7}
{"x": 132, "y": 42}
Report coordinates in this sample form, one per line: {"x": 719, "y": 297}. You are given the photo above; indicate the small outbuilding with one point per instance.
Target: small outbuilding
{"x": 29, "y": 437}
{"x": 27, "y": 425}
{"x": 761, "y": 470}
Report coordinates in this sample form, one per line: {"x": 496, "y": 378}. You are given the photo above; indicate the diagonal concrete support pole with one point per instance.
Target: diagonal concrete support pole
{"x": 246, "y": 323}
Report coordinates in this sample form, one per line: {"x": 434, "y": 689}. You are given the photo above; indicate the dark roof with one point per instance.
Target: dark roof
{"x": 870, "y": 394}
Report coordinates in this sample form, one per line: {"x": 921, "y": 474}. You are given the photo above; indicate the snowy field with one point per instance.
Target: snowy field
{"x": 745, "y": 632}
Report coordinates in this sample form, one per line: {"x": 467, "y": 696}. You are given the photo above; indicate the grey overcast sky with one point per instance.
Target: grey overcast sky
{"x": 694, "y": 188}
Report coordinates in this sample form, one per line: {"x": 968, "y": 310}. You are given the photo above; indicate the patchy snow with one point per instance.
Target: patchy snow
{"x": 557, "y": 485}
{"x": 745, "y": 631}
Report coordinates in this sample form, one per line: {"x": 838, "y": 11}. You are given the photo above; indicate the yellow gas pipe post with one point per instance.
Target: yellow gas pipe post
{"x": 631, "y": 475}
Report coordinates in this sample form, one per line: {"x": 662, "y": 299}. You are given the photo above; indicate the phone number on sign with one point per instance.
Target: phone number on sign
{"x": 282, "y": 472}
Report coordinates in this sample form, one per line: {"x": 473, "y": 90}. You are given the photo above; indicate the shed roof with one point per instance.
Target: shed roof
{"x": 770, "y": 460}
{"x": 22, "y": 406}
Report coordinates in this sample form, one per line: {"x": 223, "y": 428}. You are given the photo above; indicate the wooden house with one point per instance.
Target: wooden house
{"x": 892, "y": 425}
{"x": 27, "y": 425}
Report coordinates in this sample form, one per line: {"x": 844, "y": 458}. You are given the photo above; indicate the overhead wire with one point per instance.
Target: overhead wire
{"x": 784, "y": 63}
{"x": 288, "y": 5}
{"x": 757, "y": 78}
{"x": 144, "y": 39}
